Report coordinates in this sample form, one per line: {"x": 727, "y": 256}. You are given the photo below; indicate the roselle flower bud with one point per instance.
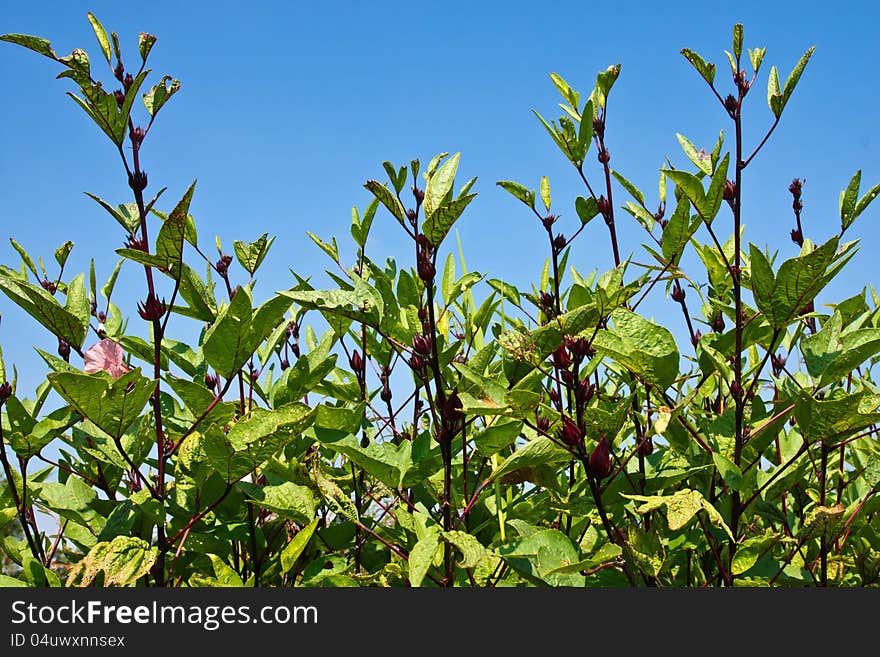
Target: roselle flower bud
{"x": 603, "y": 155}
{"x": 294, "y": 347}
{"x": 567, "y": 377}
{"x": 422, "y": 344}
{"x": 577, "y": 347}
{"x": 585, "y": 391}
{"x": 554, "y": 396}
{"x": 49, "y": 286}
{"x": 119, "y": 95}
{"x": 600, "y": 459}
{"x": 385, "y": 395}
{"x": 548, "y": 221}
{"x": 729, "y": 193}
{"x": 152, "y": 309}
{"x": 718, "y": 323}
{"x": 604, "y": 207}
{"x": 222, "y": 265}
{"x": 561, "y": 359}
{"x": 418, "y": 194}
{"x": 137, "y": 136}
{"x": 559, "y": 243}
{"x": 119, "y": 71}
{"x": 64, "y": 349}
{"x": 127, "y": 81}
{"x": 731, "y": 104}
{"x": 426, "y": 268}
{"x": 284, "y": 364}
{"x": 678, "y": 293}
{"x": 136, "y": 243}
{"x": 797, "y": 237}
{"x": 599, "y": 127}
{"x": 416, "y": 363}
{"x": 5, "y": 391}
{"x": 697, "y": 335}
{"x": 137, "y": 180}
{"x": 412, "y": 216}
{"x": 542, "y": 423}
{"x": 292, "y": 327}
{"x": 570, "y": 433}
{"x": 357, "y": 362}
{"x": 796, "y": 187}
{"x": 736, "y": 389}
{"x": 646, "y": 447}
{"x": 547, "y": 301}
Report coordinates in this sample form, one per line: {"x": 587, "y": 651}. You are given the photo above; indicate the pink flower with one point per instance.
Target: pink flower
{"x": 105, "y": 356}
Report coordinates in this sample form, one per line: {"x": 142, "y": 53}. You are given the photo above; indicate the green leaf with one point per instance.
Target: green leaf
{"x": 545, "y": 192}
{"x": 644, "y": 347}
{"x": 738, "y": 40}
{"x": 774, "y": 95}
{"x": 44, "y": 308}
{"x": 145, "y": 44}
{"x": 25, "y": 257}
{"x": 421, "y": 557}
{"x": 681, "y": 507}
{"x": 297, "y": 545}
{"x": 101, "y": 35}
{"x": 126, "y": 214}
{"x": 542, "y": 558}
{"x": 629, "y": 187}
{"x": 795, "y": 75}
{"x": 729, "y": 471}
{"x": 38, "y": 45}
{"x": 585, "y": 129}
{"x": 540, "y": 451}
{"x": 677, "y": 232}
{"x": 169, "y": 242}
{"x": 286, "y": 499}
{"x": 250, "y": 256}
{"x": 439, "y": 186}
{"x": 438, "y": 224}
{"x": 750, "y": 550}
{"x": 238, "y": 331}
{"x": 124, "y": 560}
{"x": 706, "y": 71}
{"x": 388, "y": 199}
{"x": 160, "y": 93}
{"x": 62, "y": 252}
{"x": 700, "y": 159}
{"x": 848, "y": 199}
{"x": 497, "y": 436}
{"x": 525, "y": 195}
{"x": 756, "y": 56}
{"x": 586, "y": 208}
{"x": 253, "y": 440}
{"x": 472, "y": 551}
{"x": 570, "y": 95}
{"x": 112, "y": 405}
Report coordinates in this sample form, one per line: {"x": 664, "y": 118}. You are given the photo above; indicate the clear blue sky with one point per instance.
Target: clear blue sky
{"x": 287, "y": 108}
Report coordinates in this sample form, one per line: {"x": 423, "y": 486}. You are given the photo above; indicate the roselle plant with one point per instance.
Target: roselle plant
{"x": 420, "y": 424}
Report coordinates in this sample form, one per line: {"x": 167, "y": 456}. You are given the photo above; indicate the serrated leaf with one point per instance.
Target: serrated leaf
{"x": 439, "y": 186}
{"x": 37, "y": 44}
{"x": 388, "y": 199}
{"x": 525, "y": 195}
{"x": 706, "y": 71}
{"x": 101, "y": 35}
{"x": 297, "y": 545}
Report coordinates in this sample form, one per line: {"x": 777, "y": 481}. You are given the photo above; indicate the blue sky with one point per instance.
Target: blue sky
{"x": 287, "y": 108}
